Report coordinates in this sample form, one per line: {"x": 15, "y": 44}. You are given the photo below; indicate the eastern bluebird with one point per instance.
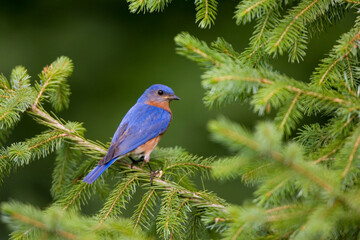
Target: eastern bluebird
{"x": 140, "y": 130}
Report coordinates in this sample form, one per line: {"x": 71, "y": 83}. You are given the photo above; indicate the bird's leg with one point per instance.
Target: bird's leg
{"x": 134, "y": 162}
{"x": 152, "y": 173}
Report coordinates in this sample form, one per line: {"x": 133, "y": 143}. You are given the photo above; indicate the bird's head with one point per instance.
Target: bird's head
{"x": 158, "y": 93}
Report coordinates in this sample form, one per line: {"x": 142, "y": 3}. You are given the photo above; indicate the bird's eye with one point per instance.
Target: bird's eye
{"x": 160, "y": 92}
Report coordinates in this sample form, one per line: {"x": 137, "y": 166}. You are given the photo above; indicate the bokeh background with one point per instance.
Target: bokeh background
{"x": 117, "y": 55}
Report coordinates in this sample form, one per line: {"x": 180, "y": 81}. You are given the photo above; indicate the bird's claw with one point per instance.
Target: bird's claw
{"x": 153, "y": 174}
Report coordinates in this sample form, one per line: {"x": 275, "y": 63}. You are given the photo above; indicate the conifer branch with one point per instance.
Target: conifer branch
{"x": 194, "y": 196}
{"x": 53, "y": 79}
{"x": 75, "y": 197}
{"x": 326, "y": 156}
{"x": 5, "y": 96}
{"x": 250, "y": 9}
{"x": 351, "y": 157}
{"x": 250, "y": 143}
{"x": 38, "y": 224}
{"x": 21, "y": 153}
{"x": 254, "y": 6}
{"x": 237, "y": 233}
{"x": 289, "y": 87}
{"x": 260, "y": 35}
{"x": 351, "y": 78}
{"x": 2, "y": 85}
{"x": 343, "y": 50}
{"x": 329, "y": 68}
{"x": 269, "y": 193}
{"x": 47, "y": 140}
{"x": 319, "y": 95}
{"x": 44, "y": 85}
{"x": 118, "y": 195}
{"x": 293, "y": 21}
{"x": 169, "y": 209}
{"x": 143, "y": 207}
{"x": 188, "y": 164}
{"x": 206, "y": 12}
{"x": 203, "y": 54}
{"x": 280, "y": 208}
{"x": 52, "y": 122}
{"x": 31, "y": 223}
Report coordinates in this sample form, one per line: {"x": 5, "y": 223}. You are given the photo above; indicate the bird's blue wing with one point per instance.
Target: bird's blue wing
{"x": 142, "y": 123}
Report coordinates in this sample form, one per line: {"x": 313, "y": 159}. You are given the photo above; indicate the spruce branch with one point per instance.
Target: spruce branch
{"x": 118, "y": 198}
{"x": 14, "y": 105}
{"x": 346, "y": 48}
{"x": 285, "y": 119}
{"x": 53, "y": 83}
{"x": 205, "y": 12}
{"x": 236, "y": 136}
{"x": 260, "y": 35}
{"x": 22, "y": 153}
{"x": 291, "y": 34}
{"x": 230, "y": 79}
{"x": 351, "y": 157}
{"x": 31, "y": 223}
{"x": 247, "y": 10}
{"x": 73, "y": 134}
{"x": 144, "y": 209}
{"x": 326, "y": 156}
{"x": 205, "y": 9}
{"x": 72, "y": 195}
{"x": 138, "y": 6}
{"x": 198, "y": 51}
{"x": 66, "y": 162}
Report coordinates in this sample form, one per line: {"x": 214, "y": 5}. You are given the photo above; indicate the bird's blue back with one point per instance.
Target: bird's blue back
{"x": 142, "y": 123}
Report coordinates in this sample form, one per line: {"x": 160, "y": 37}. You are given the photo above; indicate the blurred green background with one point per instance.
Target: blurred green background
{"x": 117, "y": 55}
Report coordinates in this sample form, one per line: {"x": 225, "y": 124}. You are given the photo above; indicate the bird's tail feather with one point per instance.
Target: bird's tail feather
{"x": 97, "y": 171}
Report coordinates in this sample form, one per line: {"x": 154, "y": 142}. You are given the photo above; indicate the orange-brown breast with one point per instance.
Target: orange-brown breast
{"x": 148, "y": 147}
{"x": 164, "y": 105}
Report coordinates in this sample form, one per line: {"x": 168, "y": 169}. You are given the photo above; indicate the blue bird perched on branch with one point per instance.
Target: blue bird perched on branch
{"x": 140, "y": 130}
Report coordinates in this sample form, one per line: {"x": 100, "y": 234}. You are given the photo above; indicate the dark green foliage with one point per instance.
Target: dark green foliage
{"x": 306, "y": 176}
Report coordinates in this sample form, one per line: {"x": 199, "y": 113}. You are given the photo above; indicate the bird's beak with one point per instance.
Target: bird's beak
{"x": 173, "y": 97}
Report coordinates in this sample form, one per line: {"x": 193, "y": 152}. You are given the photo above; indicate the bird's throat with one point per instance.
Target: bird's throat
{"x": 163, "y": 105}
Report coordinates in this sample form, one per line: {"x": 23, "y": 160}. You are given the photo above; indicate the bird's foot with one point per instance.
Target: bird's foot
{"x": 153, "y": 174}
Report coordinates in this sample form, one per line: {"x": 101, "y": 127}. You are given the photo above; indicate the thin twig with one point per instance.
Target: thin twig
{"x": 325, "y": 157}
{"x": 280, "y": 208}
{"x": 289, "y": 87}
{"x": 351, "y": 157}
{"x": 356, "y": 37}
{"x": 203, "y": 54}
{"x": 289, "y": 110}
{"x": 72, "y": 135}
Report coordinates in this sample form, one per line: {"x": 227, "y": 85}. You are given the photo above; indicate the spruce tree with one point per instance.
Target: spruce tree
{"x": 306, "y": 175}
